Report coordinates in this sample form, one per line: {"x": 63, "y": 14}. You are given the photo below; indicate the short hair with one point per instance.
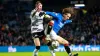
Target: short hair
{"x": 38, "y": 2}
{"x": 70, "y": 10}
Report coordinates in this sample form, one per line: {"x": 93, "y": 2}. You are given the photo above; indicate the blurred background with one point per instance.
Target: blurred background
{"x": 15, "y": 21}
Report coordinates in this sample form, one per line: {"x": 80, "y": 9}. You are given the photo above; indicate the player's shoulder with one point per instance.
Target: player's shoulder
{"x": 57, "y": 13}
{"x": 33, "y": 10}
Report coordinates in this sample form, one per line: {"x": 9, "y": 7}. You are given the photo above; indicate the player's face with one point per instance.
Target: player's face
{"x": 66, "y": 16}
{"x": 39, "y": 6}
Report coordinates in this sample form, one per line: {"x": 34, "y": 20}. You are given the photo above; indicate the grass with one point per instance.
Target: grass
{"x": 48, "y": 54}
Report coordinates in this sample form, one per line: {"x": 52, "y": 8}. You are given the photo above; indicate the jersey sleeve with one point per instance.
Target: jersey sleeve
{"x": 55, "y": 15}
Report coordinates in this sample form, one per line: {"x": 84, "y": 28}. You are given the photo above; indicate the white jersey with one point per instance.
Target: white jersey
{"x": 36, "y": 21}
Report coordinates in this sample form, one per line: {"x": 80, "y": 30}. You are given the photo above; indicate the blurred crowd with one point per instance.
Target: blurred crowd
{"x": 15, "y": 25}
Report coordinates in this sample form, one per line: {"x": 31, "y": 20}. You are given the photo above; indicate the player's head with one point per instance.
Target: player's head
{"x": 38, "y": 5}
{"x": 67, "y": 12}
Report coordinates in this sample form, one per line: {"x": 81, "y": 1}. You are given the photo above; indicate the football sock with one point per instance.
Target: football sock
{"x": 67, "y": 49}
{"x": 35, "y": 52}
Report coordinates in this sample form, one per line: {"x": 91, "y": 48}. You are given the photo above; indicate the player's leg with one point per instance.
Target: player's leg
{"x": 48, "y": 39}
{"x": 66, "y": 45}
{"x": 48, "y": 42}
{"x": 54, "y": 36}
{"x": 51, "y": 48}
{"x": 37, "y": 44}
{"x": 61, "y": 41}
{"x": 47, "y": 31}
{"x": 48, "y": 28}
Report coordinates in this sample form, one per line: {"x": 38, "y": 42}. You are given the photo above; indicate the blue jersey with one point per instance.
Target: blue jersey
{"x": 58, "y": 21}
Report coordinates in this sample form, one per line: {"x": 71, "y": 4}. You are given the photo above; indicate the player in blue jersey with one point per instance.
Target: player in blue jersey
{"x": 59, "y": 21}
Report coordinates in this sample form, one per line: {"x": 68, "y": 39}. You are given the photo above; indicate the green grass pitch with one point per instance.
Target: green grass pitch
{"x": 48, "y": 54}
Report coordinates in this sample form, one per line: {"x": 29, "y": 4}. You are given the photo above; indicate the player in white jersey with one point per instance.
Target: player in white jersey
{"x": 37, "y": 27}
{"x": 36, "y": 21}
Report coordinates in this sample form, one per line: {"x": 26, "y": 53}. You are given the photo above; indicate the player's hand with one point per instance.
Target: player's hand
{"x": 48, "y": 17}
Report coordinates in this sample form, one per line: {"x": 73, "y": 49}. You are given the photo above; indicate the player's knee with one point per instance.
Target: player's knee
{"x": 38, "y": 47}
{"x": 67, "y": 44}
{"x": 51, "y": 23}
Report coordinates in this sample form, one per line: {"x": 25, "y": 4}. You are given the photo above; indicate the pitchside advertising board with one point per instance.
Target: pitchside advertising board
{"x": 80, "y": 48}
{"x": 45, "y": 48}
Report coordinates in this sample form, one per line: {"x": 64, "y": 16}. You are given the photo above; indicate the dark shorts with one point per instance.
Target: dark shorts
{"x": 38, "y": 35}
